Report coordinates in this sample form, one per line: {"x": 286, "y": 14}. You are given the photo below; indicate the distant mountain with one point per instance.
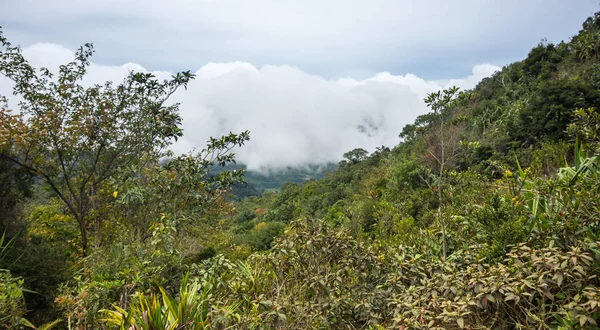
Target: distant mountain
{"x": 258, "y": 182}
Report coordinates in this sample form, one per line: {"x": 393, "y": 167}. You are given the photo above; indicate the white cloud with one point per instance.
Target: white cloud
{"x": 295, "y": 118}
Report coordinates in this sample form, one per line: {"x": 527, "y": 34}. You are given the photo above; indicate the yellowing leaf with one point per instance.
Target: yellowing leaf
{"x": 115, "y": 194}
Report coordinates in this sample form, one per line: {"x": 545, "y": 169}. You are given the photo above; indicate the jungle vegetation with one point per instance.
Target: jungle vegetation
{"x": 486, "y": 215}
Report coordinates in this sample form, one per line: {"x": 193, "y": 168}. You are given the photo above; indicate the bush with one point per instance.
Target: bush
{"x": 261, "y": 236}
{"x": 12, "y": 303}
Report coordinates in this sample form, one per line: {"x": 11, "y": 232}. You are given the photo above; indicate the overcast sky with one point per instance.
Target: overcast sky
{"x": 301, "y": 75}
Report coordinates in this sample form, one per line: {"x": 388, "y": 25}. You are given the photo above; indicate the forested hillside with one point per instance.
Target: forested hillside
{"x": 486, "y": 215}
{"x": 257, "y": 182}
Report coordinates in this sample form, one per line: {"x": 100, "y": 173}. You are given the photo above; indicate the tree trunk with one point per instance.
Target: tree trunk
{"x": 440, "y": 184}
{"x": 441, "y": 214}
{"x": 84, "y": 241}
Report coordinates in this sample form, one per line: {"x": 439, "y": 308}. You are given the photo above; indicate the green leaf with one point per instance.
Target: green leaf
{"x": 24, "y": 322}
{"x": 50, "y": 325}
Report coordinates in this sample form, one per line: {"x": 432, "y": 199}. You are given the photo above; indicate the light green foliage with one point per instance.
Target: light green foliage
{"x": 12, "y": 303}
{"x": 586, "y": 45}
{"x": 182, "y": 189}
{"x": 549, "y": 157}
{"x": 261, "y": 235}
{"x": 46, "y": 255}
{"x": 188, "y": 311}
{"x": 496, "y": 226}
{"x": 586, "y": 127}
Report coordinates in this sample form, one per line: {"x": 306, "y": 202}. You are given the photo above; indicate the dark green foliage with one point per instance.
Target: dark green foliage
{"x": 592, "y": 74}
{"x": 242, "y": 190}
{"x": 551, "y": 109}
{"x": 15, "y": 186}
{"x": 261, "y": 235}
{"x": 257, "y": 182}
{"x": 46, "y": 260}
{"x": 356, "y": 155}
{"x": 204, "y": 254}
{"x": 244, "y": 216}
{"x": 498, "y": 225}
{"x": 543, "y": 59}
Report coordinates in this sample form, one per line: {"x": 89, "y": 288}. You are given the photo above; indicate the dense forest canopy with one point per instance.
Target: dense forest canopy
{"x": 486, "y": 215}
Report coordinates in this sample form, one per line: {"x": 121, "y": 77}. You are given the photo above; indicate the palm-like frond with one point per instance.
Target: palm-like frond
{"x": 188, "y": 311}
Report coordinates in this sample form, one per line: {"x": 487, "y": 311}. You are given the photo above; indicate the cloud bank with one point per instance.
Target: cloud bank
{"x": 295, "y": 118}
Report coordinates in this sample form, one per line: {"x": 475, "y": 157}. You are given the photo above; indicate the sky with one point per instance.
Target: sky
{"x": 310, "y": 79}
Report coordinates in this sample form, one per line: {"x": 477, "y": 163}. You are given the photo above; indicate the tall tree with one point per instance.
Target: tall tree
{"x": 76, "y": 138}
{"x": 443, "y": 144}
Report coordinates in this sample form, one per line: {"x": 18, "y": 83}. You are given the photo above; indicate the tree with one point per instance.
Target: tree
{"x": 76, "y": 138}
{"x": 586, "y": 127}
{"x": 356, "y": 155}
{"x": 410, "y": 131}
{"x": 550, "y": 109}
{"x": 183, "y": 188}
{"x": 443, "y": 143}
